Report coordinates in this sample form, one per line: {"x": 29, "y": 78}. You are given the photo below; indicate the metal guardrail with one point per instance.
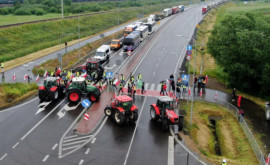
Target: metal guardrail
{"x": 235, "y": 112}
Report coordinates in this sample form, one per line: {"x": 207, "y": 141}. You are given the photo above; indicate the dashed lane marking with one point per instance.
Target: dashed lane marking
{"x": 87, "y": 151}
{"x": 45, "y": 158}
{"x": 54, "y": 147}
{"x": 81, "y": 162}
{"x": 170, "y": 150}
{"x": 93, "y": 141}
{"x": 3, "y": 156}
{"x": 15, "y": 145}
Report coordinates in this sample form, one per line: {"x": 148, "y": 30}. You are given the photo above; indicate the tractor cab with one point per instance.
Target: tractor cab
{"x": 123, "y": 101}
{"x": 166, "y": 102}
{"x": 92, "y": 64}
{"x": 79, "y": 83}
{"x": 50, "y": 82}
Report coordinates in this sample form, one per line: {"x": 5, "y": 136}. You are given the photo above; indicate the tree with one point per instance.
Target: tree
{"x": 240, "y": 44}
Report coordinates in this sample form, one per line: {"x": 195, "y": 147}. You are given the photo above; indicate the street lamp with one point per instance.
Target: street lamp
{"x": 62, "y": 8}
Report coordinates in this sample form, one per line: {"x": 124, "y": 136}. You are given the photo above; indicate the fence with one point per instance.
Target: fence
{"x": 235, "y": 112}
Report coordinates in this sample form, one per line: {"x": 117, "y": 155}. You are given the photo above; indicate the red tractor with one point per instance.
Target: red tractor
{"x": 122, "y": 110}
{"x": 50, "y": 90}
{"x": 163, "y": 110}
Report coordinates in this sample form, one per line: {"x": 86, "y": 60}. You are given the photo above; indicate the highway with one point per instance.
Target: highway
{"x": 31, "y": 132}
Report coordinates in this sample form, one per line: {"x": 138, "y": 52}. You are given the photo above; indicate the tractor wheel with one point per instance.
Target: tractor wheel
{"x": 108, "y": 111}
{"x": 153, "y": 114}
{"x": 74, "y": 96}
{"x": 54, "y": 95}
{"x": 134, "y": 116}
{"x": 165, "y": 124}
{"x": 93, "y": 97}
{"x": 41, "y": 95}
{"x": 119, "y": 117}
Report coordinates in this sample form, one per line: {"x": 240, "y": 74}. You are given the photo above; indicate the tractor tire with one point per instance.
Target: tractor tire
{"x": 108, "y": 111}
{"x": 153, "y": 114}
{"x": 93, "y": 97}
{"x": 41, "y": 95}
{"x": 119, "y": 117}
{"x": 134, "y": 116}
{"x": 74, "y": 96}
{"x": 165, "y": 124}
{"x": 54, "y": 95}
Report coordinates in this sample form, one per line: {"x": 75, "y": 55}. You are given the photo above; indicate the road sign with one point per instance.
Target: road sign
{"x": 189, "y": 52}
{"x": 189, "y": 47}
{"x": 188, "y": 57}
{"x": 185, "y": 77}
{"x": 109, "y": 75}
{"x": 86, "y": 103}
{"x": 86, "y": 116}
{"x": 129, "y": 53}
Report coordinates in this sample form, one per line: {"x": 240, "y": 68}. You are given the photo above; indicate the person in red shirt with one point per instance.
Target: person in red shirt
{"x": 165, "y": 88}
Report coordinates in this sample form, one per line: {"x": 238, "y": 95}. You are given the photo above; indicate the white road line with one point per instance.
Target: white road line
{"x": 170, "y": 150}
{"x": 132, "y": 139}
{"x": 68, "y": 137}
{"x": 45, "y": 158}
{"x": 15, "y": 145}
{"x": 54, "y": 147}
{"x": 68, "y": 148}
{"x": 81, "y": 162}
{"x": 93, "y": 141}
{"x": 19, "y": 105}
{"x": 67, "y": 144}
{"x": 145, "y": 86}
{"x": 3, "y": 156}
{"x": 152, "y": 87}
{"x": 87, "y": 151}
{"x": 32, "y": 129}
{"x": 159, "y": 87}
{"x": 180, "y": 57}
{"x": 77, "y": 138}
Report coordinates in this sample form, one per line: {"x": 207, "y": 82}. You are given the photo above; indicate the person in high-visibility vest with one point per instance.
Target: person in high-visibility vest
{"x": 224, "y": 162}
{"x": 134, "y": 90}
{"x": 52, "y": 74}
{"x": 2, "y": 67}
{"x": 139, "y": 76}
{"x": 122, "y": 79}
{"x": 100, "y": 86}
{"x": 120, "y": 88}
{"x": 78, "y": 74}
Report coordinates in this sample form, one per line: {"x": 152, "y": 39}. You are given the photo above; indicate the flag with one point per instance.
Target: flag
{"x": 216, "y": 95}
{"x": 14, "y": 77}
{"x": 37, "y": 79}
{"x": 116, "y": 82}
{"x": 239, "y": 101}
{"x": 267, "y": 160}
{"x": 84, "y": 75}
{"x": 45, "y": 74}
{"x": 189, "y": 91}
{"x": 25, "y": 77}
{"x": 72, "y": 76}
{"x": 201, "y": 92}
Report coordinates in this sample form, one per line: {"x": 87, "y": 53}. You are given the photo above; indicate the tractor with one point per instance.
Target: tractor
{"x": 122, "y": 110}
{"x": 78, "y": 88}
{"x": 51, "y": 89}
{"x": 163, "y": 110}
{"x": 93, "y": 68}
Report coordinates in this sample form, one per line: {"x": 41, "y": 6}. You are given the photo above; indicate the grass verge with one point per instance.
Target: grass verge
{"x": 234, "y": 145}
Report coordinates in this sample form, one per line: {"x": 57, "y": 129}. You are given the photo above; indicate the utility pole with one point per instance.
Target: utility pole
{"x": 79, "y": 33}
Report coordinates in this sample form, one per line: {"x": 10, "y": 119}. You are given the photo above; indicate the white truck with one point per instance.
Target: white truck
{"x": 152, "y": 17}
{"x": 167, "y": 12}
{"x": 103, "y": 53}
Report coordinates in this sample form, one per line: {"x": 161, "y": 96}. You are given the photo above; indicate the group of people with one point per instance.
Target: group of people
{"x": 200, "y": 83}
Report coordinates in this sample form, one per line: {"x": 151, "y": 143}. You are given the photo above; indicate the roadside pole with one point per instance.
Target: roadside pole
{"x": 194, "y": 71}
{"x": 79, "y": 33}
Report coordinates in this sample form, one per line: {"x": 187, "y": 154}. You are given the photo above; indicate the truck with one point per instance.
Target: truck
{"x": 175, "y": 10}
{"x": 152, "y": 17}
{"x": 129, "y": 29}
{"x": 167, "y": 12}
{"x": 181, "y": 8}
{"x": 116, "y": 44}
{"x": 205, "y": 9}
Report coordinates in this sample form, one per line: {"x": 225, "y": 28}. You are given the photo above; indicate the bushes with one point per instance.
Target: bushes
{"x": 23, "y": 11}
{"x": 40, "y": 12}
{"x": 4, "y": 11}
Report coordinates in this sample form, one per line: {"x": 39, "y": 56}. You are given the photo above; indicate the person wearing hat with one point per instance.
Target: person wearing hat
{"x": 224, "y": 162}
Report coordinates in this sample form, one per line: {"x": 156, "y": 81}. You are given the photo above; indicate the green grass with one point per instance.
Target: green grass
{"x": 25, "y": 39}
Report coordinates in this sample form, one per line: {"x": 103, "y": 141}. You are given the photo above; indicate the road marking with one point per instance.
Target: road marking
{"x": 45, "y": 158}
{"x": 32, "y": 129}
{"x": 54, "y": 147}
{"x": 77, "y": 138}
{"x": 3, "y": 156}
{"x": 93, "y": 141}
{"x": 75, "y": 142}
{"x": 87, "y": 151}
{"x": 44, "y": 105}
{"x": 81, "y": 162}
{"x": 61, "y": 113}
{"x": 132, "y": 139}
{"x": 152, "y": 87}
{"x": 15, "y": 145}
{"x": 68, "y": 137}
{"x": 19, "y": 105}
{"x": 181, "y": 56}
{"x": 68, "y": 148}
{"x": 170, "y": 150}
{"x": 68, "y": 108}
{"x": 159, "y": 87}
{"x": 156, "y": 65}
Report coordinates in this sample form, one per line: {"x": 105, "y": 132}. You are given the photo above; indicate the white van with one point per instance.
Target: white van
{"x": 103, "y": 53}
{"x": 143, "y": 32}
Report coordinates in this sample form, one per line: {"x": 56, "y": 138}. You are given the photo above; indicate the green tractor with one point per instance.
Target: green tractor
{"x": 78, "y": 88}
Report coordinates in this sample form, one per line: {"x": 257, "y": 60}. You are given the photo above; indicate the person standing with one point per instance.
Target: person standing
{"x": 161, "y": 89}
{"x": 29, "y": 78}
{"x": 194, "y": 86}
{"x": 139, "y": 76}
{"x": 122, "y": 79}
{"x": 178, "y": 92}
{"x": 173, "y": 87}
{"x": 233, "y": 94}
{"x": 134, "y": 90}
{"x": 165, "y": 89}
{"x": 100, "y": 85}
{"x": 129, "y": 88}
{"x": 143, "y": 91}
{"x": 224, "y": 162}
{"x": 2, "y": 67}
{"x": 120, "y": 88}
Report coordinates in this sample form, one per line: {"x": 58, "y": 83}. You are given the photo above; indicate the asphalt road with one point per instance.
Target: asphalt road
{"x": 31, "y": 134}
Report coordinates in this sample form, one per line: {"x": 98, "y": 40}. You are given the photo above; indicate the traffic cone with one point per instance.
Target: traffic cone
{"x": 201, "y": 92}
{"x": 216, "y": 96}
{"x": 189, "y": 91}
